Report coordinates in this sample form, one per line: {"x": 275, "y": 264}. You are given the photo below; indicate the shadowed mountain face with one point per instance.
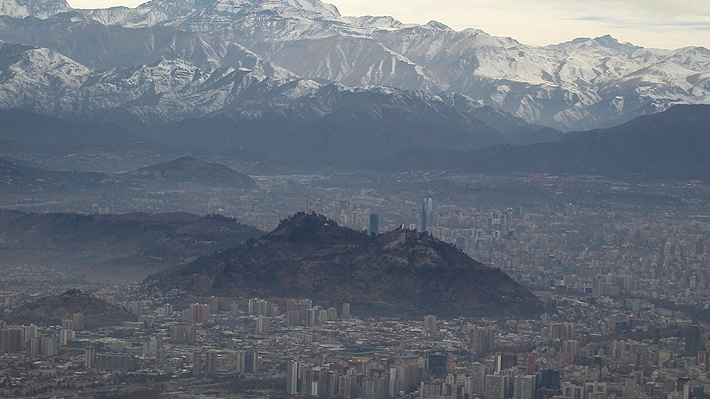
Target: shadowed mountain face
{"x": 336, "y": 126}
{"x": 671, "y": 144}
{"x": 52, "y": 310}
{"x": 311, "y": 256}
{"x": 115, "y": 246}
{"x": 64, "y": 145}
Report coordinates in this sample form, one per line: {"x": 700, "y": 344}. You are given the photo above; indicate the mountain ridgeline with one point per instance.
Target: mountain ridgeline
{"x": 674, "y": 144}
{"x": 310, "y": 256}
{"x": 296, "y": 83}
{"x": 577, "y": 85}
{"x": 19, "y": 177}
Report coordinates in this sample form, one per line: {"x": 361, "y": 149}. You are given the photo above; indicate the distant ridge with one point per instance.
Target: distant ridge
{"x": 16, "y": 177}
{"x": 674, "y": 144}
{"x": 400, "y": 272}
{"x": 64, "y": 145}
{"x": 188, "y": 169}
{"x": 140, "y": 243}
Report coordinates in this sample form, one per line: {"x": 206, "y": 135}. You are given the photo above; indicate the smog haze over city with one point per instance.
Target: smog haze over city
{"x": 357, "y": 200}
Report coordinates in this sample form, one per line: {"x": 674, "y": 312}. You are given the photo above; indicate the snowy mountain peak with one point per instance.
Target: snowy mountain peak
{"x": 36, "y": 8}
{"x": 609, "y": 41}
{"x": 576, "y": 85}
{"x": 311, "y": 9}
{"x": 375, "y": 22}
{"x": 438, "y": 25}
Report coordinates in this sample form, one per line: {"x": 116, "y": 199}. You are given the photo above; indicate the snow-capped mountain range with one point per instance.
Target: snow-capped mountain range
{"x": 174, "y": 59}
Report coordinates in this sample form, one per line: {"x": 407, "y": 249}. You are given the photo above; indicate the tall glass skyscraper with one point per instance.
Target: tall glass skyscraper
{"x": 693, "y": 340}
{"x": 427, "y": 216}
{"x": 374, "y": 227}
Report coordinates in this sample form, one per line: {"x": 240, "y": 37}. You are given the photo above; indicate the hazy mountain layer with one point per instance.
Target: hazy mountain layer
{"x": 336, "y": 126}
{"x": 116, "y": 246}
{"x": 18, "y": 178}
{"x": 671, "y": 144}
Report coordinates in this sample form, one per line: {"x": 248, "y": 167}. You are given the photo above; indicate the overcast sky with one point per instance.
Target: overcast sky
{"x": 649, "y": 23}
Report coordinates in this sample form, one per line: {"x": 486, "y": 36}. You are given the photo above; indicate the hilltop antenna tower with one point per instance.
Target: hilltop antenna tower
{"x": 309, "y": 204}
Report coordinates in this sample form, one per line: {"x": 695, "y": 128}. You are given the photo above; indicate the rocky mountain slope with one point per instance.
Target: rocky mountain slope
{"x": 285, "y": 119}
{"x": 46, "y": 82}
{"x": 52, "y": 310}
{"x": 580, "y": 84}
{"x": 34, "y": 8}
{"x": 102, "y": 47}
{"x": 308, "y": 255}
{"x": 577, "y": 85}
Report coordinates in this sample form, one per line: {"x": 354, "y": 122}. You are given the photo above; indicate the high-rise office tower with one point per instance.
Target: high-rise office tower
{"x": 482, "y": 340}
{"x": 90, "y": 357}
{"x": 346, "y": 310}
{"x": 524, "y": 386}
{"x": 29, "y": 332}
{"x": 427, "y": 216}
{"x": 430, "y": 324}
{"x": 211, "y": 362}
{"x": 693, "y": 340}
{"x": 11, "y": 340}
{"x": 292, "y": 377}
{"x": 374, "y": 227}
{"x": 78, "y": 321}
{"x": 436, "y": 363}
{"x": 200, "y": 312}
{"x": 262, "y": 325}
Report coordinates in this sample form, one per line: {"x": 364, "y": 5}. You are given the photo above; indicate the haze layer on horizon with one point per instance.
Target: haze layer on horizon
{"x": 647, "y": 23}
